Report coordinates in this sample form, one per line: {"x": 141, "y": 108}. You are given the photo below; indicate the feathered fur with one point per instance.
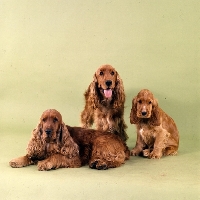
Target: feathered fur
{"x": 104, "y": 102}
{"x": 101, "y": 150}
{"x": 157, "y": 134}
{"x": 50, "y": 146}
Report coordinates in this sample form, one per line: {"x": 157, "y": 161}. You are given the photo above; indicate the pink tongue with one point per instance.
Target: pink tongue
{"x": 108, "y": 93}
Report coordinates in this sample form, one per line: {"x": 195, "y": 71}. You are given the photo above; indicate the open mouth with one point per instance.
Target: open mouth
{"x": 107, "y": 93}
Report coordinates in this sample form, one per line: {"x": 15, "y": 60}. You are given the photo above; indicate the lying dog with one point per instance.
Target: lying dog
{"x": 51, "y": 146}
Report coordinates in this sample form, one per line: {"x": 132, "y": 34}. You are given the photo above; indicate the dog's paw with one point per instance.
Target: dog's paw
{"x": 146, "y": 152}
{"x": 44, "y": 166}
{"x": 134, "y": 152}
{"x": 154, "y": 155}
{"x": 20, "y": 162}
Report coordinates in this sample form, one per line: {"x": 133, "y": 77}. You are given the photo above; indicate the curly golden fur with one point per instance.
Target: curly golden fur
{"x": 104, "y": 102}
{"x": 101, "y": 150}
{"x": 51, "y": 146}
{"x": 157, "y": 134}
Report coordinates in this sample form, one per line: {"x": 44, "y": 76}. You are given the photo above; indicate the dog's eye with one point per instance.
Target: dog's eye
{"x": 44, "y": 119}
{"x": 150, "y": 102}
{"x": 140, "y": 101}
{"x": 55, "y": 120}
{"x": 112, "y": 73}
{"x": 101, "y": 73}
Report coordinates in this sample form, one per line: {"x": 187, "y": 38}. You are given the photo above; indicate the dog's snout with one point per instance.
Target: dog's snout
{"x": 108, "y": 83}
{"x": 144, "y": 113}
{"x": 48, "y": 131}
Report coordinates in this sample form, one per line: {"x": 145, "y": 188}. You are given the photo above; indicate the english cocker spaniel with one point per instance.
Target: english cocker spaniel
{"x": 157, "y": 134}
{"x": 50, "y": 146}
{"x": 104, "y": 102}
{"x": 101, "y": 150}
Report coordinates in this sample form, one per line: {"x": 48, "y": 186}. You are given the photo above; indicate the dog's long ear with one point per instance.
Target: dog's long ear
{"x": 155, "y": 115}
{"x": 119, "y": 93}
{"x": 91, "y": 94}
{"x": 133, "y": 115}
{"x": 69, "y": 147}
{"x": 35, "y": 143}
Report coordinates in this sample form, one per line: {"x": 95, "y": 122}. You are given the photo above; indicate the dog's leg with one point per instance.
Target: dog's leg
{"x": 139, "y": 145}
{"x": 58, "y": 161}
{"x": 161, "y": 139}
{"x": 21, "y": 162}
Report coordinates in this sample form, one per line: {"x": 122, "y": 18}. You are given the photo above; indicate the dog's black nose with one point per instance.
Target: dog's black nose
{"x": 48, "y": 131}
{"x": 108, "y": 83}
{"x": 144, "y": 113}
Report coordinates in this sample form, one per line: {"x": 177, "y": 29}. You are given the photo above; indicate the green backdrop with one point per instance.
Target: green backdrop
{"x": 48, "y": 54}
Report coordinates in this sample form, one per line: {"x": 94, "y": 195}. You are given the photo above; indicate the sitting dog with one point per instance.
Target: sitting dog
{"x": 104, "y": 102}
{"x": 101, "y": 150}
{"x": 51, "y": 146}
{"x": 157, "y": 134}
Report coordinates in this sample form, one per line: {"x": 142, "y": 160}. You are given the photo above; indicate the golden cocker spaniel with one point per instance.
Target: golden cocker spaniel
{"x": 104, "y": 102}
{"x": 101, "y": 150}
{"x": 50, "y": 146}
{"x": 157, "y": 134}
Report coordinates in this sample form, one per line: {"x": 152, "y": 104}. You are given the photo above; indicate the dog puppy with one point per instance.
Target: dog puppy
{"x": 157, "y": 134}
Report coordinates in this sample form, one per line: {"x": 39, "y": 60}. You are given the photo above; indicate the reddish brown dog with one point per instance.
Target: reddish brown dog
{"x": 157, "y": 134}
{"x": 104, "y": 102}
{"x": 50, "y": 146}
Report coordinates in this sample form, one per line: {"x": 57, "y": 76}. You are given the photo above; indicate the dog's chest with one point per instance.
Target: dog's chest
{"x": 52, "y": 148}
{"x": 147, "y": 134}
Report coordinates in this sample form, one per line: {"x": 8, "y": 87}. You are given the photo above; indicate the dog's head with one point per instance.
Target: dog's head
{"x": 144, "y": 106}
{"x": 50, "y": 125}
{"x": 106, "y": 79}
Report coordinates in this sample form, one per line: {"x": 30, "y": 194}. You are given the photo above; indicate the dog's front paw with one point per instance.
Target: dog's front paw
{"x": 44, "y": 165}
{"x": 154, "y": 155}
{"x": 135, "y": 152}
{"x": 20, "y": 162}
{"x": 146, "y": 152}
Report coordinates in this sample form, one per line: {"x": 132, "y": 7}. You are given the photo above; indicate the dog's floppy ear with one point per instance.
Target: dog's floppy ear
{"x": 119, "y": 92}
{"x": 133, "y": 115}
{"x": 69, "y": 147}
{"x": 35, "y": 143}
{"x": 91, "y": 94}
{"x": 155, "y": 114}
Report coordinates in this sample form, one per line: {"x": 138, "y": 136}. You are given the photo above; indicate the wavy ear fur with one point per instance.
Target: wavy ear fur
{"x": 155, "y": 115}
{"x": 91, "y": 94}
{"x": 133, "y": 115}
{"x": 69, "y": 147}
{"x": 119, "y": 93}
{"x": 35, "y": 145}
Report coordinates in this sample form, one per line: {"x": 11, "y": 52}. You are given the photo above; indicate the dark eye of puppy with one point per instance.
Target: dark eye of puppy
{"x": 101, "y": 73}
{"x": 112, "y": 73}
{"x": 55, "y": 120}
{"x": 149, "y": 102}
{"x": 140, "y": 101}
{"x": 44, "y": 119}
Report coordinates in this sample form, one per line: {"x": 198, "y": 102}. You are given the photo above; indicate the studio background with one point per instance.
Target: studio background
{"x": 49, "y": 53}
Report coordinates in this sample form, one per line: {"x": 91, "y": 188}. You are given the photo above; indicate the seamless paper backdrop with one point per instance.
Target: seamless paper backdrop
{"x": 50, "y": 50}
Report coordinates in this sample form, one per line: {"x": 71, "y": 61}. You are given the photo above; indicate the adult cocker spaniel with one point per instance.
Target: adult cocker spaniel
{"x": 104, "y": 102}
{"x": 157, "y": 134}
{"x": 50, "y": 146}
{"x": 101, "y": 150}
